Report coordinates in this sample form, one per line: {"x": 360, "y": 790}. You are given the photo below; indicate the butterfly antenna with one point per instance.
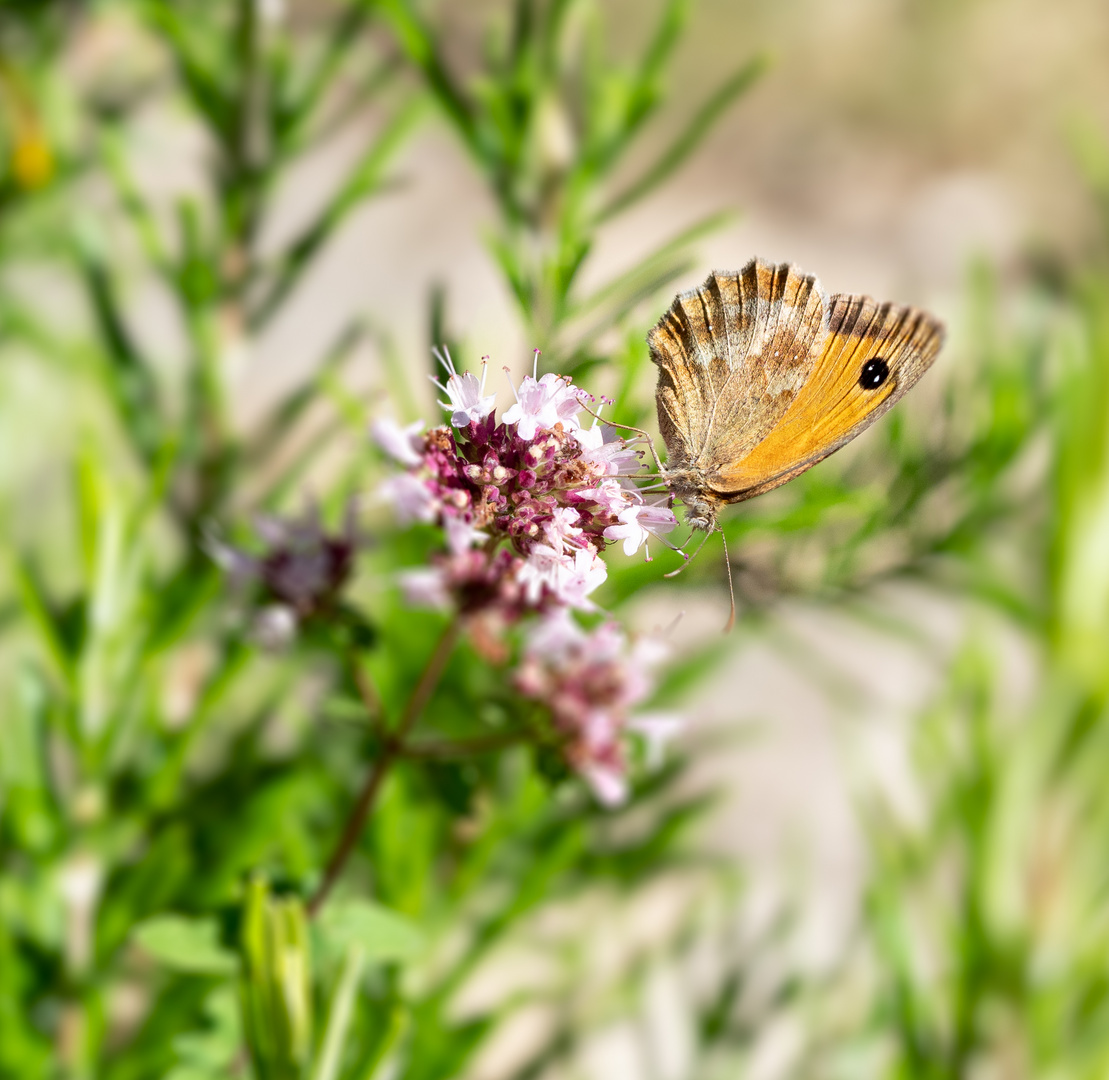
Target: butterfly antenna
{"x": 731, "y": 588}
{"x": 688, "y": 558}
{"x": 628, "y": 427}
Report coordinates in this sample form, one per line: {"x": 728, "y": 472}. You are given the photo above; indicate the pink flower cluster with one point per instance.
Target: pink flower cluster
{"x": 527, "y": 504}
{"x": 591, "y": 682}
{"x": 300, "y": 572}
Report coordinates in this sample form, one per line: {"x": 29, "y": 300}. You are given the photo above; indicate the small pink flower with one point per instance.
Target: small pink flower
{"x": 658, "y": 731}
{"x": 274, "y": 627}
{"x": 425, "y": 587}
{"x": 555, "y": 636}
{"x": 607, "y": 782}
{"x": 608, "y": 494}
{"x": 638, "y": 523}
{"x": 404, "y": 445}
{"x": 599, "y": 731}
{"x": 543, "y": 403}
{"x": 461, "y": 535}
{"x": 468, "y": 401}
{"x": 561, "y": 528}
{"x": 544, "y": 566}
{"x": 411, "y": 499}
{"x": 603, "y": 448}
{"x": 586, "y": 576}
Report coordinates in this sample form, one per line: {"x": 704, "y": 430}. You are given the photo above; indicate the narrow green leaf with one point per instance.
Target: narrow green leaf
{"x": 691, "y": 136}
{"x": 634, "y": 278}
{"x": 344, "y": 33}
{"x": 129, "y": 377}
{"x": 198, "y": 73}
{"x": 339, "y": 1016}
{"x": 133, "y": 202}
{"x": 397, "y": 1025}
{"x": 43, "y": 618}
{"x": 277, "y": 425}
{"x": 417, "y": 40}
{"x": 363, "y": 180}
{"x": 185, "y": 944}
{"x": 379, "y": 932}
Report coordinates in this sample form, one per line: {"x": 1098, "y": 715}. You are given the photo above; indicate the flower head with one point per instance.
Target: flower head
{"x": 300, "y": 571}
{"x": 591, "y": 682}
{"x": 535, "y": 486}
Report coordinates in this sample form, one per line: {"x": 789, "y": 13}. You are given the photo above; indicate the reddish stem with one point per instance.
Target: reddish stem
{"x": 392, "y": 748}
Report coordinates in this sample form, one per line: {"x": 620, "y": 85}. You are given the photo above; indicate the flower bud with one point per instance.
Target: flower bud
{"x": 275, "y": 986}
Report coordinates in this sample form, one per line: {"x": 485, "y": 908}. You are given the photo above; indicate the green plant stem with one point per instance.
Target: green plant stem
{"x": 392, "y": 749}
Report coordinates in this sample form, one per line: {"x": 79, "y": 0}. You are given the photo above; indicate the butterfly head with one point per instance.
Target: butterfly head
{"x": 700, "y": 505}
{"x": 700, "y": 515}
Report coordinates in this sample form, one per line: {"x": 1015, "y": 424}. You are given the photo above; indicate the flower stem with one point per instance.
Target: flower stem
{"x": 392, "y": 749}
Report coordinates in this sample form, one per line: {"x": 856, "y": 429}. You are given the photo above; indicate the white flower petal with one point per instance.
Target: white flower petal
{"x": 608, "y": 784}
{"x": 403, "y": 445}
{"x": 425, "y": 587}
{"x": 410, "y": 498}
{"x": 657, "y": 729}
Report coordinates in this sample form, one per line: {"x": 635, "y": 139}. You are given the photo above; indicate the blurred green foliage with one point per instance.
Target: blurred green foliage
{"x": 170, "y": 795}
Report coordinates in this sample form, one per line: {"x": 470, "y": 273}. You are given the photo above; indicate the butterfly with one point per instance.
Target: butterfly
{"x": 762, "y": 375}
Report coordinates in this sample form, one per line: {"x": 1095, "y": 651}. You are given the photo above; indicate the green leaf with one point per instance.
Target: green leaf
{"x": 209, "y": 1053}
{"x": 132, "y": 200}
{"x": 362, "y": 181}
{"x": 184, "y": 944}
{"x": 691, "y": 136}
{"x": 54, "y": 631}
{"x": 275, "y": 427}
{"x": 339, "y": 1017}
{"x": 380, "y": 933}
{"x": 129, "y": 377}
{"x": 417, "y": 41}
{"x": 198, "y": 71}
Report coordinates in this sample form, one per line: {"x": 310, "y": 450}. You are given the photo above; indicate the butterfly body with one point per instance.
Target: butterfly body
{"x": 762, "y": 375}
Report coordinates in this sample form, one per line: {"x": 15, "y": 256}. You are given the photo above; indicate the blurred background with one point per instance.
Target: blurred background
{"x": 230, "y": 234}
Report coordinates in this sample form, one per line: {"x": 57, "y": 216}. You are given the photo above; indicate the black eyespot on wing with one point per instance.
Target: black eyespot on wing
{"x": 874, "y": 373}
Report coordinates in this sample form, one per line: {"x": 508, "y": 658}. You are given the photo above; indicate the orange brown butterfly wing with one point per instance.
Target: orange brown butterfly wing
{"x": 732, "y": 355}
{"x": 834, "y": 405}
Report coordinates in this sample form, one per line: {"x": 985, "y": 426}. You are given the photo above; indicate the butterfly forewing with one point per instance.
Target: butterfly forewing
{"x": 834, "y": 406}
